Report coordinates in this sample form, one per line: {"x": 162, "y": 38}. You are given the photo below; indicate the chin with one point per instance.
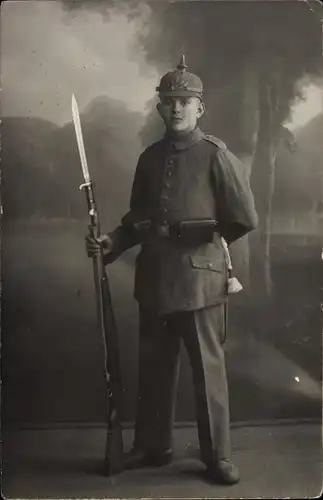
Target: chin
{"x": 179, "y": 128}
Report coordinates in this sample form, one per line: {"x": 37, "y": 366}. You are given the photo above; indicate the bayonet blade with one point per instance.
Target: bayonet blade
{"x": 79, "y": 139}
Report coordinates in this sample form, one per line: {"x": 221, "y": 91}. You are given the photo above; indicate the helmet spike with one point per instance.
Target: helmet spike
{"x": 182, "y": 65}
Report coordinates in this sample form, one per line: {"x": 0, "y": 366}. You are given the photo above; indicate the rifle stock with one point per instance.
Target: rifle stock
{"x": 114, "y": 443}
{"x": 108, "y": 328}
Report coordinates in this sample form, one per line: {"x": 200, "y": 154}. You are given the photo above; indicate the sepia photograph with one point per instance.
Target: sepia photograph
{"x": 161, "y": 249}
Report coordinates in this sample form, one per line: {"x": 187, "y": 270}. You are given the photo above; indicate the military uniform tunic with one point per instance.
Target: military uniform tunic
{"x": 196, "y": 177}
{"x": 182, "y": 288}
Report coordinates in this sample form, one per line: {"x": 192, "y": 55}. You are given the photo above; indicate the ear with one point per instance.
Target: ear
{"x": 200, "y": 109}
{"x": 158, "y": 107}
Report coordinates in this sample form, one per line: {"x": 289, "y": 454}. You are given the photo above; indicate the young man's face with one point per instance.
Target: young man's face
{"x": 180, "y": 114}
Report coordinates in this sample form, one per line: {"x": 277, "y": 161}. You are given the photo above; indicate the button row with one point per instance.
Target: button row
{"x": 169, "y": 173}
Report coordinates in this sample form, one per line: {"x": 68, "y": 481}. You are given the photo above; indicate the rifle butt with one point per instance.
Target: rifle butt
{"x": 114, "y": 451}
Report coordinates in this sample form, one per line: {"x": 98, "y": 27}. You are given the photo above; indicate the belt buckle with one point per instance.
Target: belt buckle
{"x": 163, "y": 230}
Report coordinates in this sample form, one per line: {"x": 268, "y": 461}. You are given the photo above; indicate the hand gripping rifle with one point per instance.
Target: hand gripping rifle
{"x": 106, "y": 319}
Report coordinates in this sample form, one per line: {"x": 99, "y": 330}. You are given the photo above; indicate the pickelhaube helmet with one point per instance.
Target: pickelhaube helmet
{"x": 180, "y": 83}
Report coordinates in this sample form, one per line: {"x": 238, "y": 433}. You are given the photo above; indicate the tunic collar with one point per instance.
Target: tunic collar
{"x": 185, "y": 141}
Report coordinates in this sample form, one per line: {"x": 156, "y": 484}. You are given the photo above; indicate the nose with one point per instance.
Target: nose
{"x": 176, "y": 107}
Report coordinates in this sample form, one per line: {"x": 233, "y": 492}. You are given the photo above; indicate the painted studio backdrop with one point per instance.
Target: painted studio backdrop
{"x": 261, "y": 66}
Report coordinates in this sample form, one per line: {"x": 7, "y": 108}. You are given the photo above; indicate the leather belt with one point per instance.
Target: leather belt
{"x": 164, "y": 230}
{"x": 203, "y": 229}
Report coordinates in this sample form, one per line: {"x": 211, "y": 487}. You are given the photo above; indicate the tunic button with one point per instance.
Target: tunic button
{"x": 169, "y": 173}
{"x": 210, "y": 265}
{"x": 170, "y": 161}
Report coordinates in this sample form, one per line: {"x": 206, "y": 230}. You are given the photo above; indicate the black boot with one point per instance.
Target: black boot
{"x": 137, "y": 458}
{"x": 223, "y": 471}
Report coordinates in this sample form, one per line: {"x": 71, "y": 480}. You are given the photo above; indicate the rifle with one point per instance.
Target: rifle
{"x": 106, "y": 318}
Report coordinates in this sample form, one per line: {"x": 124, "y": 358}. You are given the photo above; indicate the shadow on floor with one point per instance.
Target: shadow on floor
{"x": 274, "y": 461}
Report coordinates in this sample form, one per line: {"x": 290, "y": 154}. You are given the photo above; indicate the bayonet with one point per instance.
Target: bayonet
{"x": 80, "y": 142}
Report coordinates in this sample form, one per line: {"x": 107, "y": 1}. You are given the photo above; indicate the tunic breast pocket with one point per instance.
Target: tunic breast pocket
{"x": 215, "y": 264}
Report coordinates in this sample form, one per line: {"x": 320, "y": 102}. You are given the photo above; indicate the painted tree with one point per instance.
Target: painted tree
{"x": 286, "y": 59}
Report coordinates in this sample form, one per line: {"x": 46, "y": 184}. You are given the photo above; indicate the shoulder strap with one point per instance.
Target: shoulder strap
{"x": 215, "y": 140}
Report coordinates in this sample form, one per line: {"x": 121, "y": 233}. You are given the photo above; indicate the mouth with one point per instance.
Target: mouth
{"x": 175, "y": 119}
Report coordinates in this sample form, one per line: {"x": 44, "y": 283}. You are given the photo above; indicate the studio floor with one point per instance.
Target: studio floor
{"x": 275, "y": 461}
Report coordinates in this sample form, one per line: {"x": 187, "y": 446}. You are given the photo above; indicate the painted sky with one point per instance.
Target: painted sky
{"x": 48, "y": 54}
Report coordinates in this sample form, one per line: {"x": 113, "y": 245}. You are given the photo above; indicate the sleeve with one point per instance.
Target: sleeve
{"x": 236, "y": 212}
{"x": 125, "y": 236}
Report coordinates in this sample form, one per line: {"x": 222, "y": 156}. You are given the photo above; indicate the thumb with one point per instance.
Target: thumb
{"x": 106, "y": 241}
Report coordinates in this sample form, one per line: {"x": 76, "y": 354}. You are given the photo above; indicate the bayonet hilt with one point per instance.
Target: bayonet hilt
{"x": 85, "y": 184}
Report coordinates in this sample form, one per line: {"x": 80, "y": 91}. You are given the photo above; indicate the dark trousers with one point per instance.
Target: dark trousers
{"x": 203, "y": 333}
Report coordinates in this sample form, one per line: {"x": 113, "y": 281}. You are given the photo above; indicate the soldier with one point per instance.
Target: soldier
{"x": 189, "y": 192}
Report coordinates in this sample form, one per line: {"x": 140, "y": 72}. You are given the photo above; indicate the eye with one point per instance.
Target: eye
{"x": 185, "y": 101}
{"x": 166, "y": 101}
